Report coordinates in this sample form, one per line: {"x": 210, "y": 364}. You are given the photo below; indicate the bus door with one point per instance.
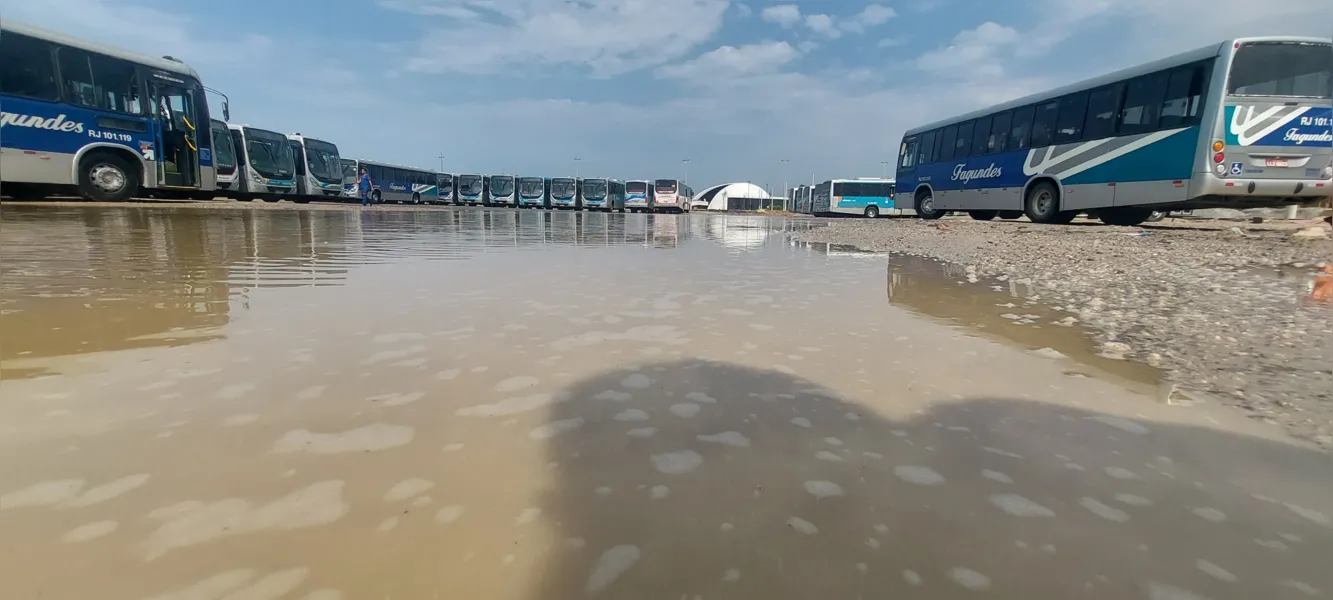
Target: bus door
{"x": 177, "y": 134}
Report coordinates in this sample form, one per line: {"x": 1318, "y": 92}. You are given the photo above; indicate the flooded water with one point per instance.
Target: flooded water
{"x": 206, "y": 404}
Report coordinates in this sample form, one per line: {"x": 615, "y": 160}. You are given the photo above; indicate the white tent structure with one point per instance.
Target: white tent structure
{"x": 719, "y": 197}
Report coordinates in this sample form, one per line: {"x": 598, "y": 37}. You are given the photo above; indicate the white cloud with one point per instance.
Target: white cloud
{"x": 786, "y": 15}
{"x": 743, "y": 10}
{"x": 823, "y": 25}
{"x": 430, "y": 9}
{"x": 891, "y": 42}
{"x": 730, "y": 62}
{"x": 872, "y": 15}
{"x": 530, "y": 33}
{"x": 974, "y": 53}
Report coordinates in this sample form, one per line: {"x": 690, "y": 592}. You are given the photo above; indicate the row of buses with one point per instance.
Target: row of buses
{"x": 109, "y": 125}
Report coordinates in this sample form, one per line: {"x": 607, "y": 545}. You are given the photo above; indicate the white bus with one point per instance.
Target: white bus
{"x": 267, "y": 168}
{"x": 98, "y": 121}
{"x": 602, "y": 194}
{"x": 444, "y": 182}
{"x": 534, "y": 192}
{"x": 319, "y": 173}
{"x": 471, "y": 189}
{"x": 1239, "y": 124}
{"x": 565, "y": 193}
{"x": 868, "y": 197}
{"x": 639, "y": 195}
{"x": 503, "y": 191}
{"x": 671, "y": 195}
{"x": 225, "y": 164}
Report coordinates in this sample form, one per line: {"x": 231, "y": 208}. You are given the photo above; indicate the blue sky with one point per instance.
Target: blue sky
{"x": 632, "y": 87}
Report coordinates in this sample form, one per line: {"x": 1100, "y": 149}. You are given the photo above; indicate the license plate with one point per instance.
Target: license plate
{"x": 1276, "y": 162}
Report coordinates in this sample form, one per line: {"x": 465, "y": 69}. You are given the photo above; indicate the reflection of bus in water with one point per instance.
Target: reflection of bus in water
{"x": 665, "y": 231}
{"x": 533, "y": 192}
{"x": 501, "y": 228}
{"x": 532, "y": 228}
{"x": 602, "y": 194}
{"x": 636, "y": 230}
{"x": 639, "y": 195}
{"x": 471, "y": 189}
{"x": 564, "y": 227}
{"x": 595, "y": 229}
{"x": 565, "y": 193}
{"x": 671, "y": 195}
{"x": 502, "y": 190}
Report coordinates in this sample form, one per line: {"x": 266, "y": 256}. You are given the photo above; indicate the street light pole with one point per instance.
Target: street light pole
{"x": 784, "y": 184}
{"x": 576, "y": 167}
{"x": 441, "y": 163}
{"x": 885, "y": 164}
{"x": 687, "y": 169}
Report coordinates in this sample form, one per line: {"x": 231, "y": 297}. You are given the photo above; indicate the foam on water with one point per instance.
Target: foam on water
{"x": 726, "y": 438}
{"x": 823, "y": 489}
{"x": 610, "y": 566}
{"x": 554, "y": 428}
{"x": 675, "y": 463}
{"x": 369, "y": 438}
{"x": 918, "y": 475}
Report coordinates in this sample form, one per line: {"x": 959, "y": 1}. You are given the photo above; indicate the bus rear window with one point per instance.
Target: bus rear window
{"x": 1281, "y": 69}
{"x": 665, "y": 186}
{"x": 637, "y": 187}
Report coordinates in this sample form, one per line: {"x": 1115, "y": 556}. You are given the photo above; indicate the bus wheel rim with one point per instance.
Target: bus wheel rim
{"x": 1044, "y": 202}
{"x": 107, "y": 178}
{"x": 928, "y": 204}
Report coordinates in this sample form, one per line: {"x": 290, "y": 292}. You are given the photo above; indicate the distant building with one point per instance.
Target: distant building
{"x": 734, "y": 196}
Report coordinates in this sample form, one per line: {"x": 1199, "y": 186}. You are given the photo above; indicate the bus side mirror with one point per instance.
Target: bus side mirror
{"x": 226, "y": 111}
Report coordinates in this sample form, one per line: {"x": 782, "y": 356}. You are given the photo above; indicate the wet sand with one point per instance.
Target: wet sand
{"x": 314, "y": 405}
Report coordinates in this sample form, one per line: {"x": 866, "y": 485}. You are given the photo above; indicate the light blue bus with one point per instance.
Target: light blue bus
{"x": 471, "y": 189}
{"x": 319, "y": 171}
{"x": 1240, "y": 124}
{"x": 602, "y": 194}
{"x": 502, "y": 191}
{"x": 565, "y": 193}
{"x": 534, "y": 192}
{"x": 98, "y": 121}
{"x": 868, "y": 197}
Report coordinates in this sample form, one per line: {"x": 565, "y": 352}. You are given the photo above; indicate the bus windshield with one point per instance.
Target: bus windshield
{"x": 562, "y": 188}
{"x": 1289, "y": 69}
{"x": 270, "y": 153}
{"x": 349, "y": 171}
{"x": 322, "y": 160}
{"x": 502, "y": 186}
{"x": 666, "y": 186}
{"x": 636, "y": 187}
{"x": 224, "y": 153}
{"x": 594, "y": 189}
{"x": 531, "y": 187}
{"x": 469, "y": 184}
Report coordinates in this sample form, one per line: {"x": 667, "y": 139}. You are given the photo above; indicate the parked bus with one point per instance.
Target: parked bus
{"x": 533, "y": 192}
{"x": 639, "y": 196}
{"x": 1244, "y": 123}
{"x": 671, "y": 195}
{"x": 444, "y": 182}
{"x": 396, "y": 183}
{"x": 268, "y": 171}
{"x": 319, "y": 173}
{"x": 98, "y": 121}
{"x": 602, "y": 194}
{"x": 471, "y": 189}
{"x": 867, "y": 197}
{"x": 225, "y": 164}
{"x": 503, "y": 191}
{"x": 565, "y": 193}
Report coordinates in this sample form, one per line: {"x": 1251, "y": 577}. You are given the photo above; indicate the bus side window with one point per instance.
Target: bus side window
{"x": 947, "y": 142}
{"x": 76, "y": 77}
{"x": 907, "y": 155}
{"x": 1143, "y": 102}
{"x": 1021, "y": 130}
{"x": 1184, "y": 90}
{"x": 1103, "y": 111}
{"x": 27, "y": 68}
{"x": 980, "y": 136}
{"x": 1043, "y": 124}
{"x": 964, "y": 141}
{"x": 117, "y": 84}
{"x": 926, "y": 149}
{"x": 999, "y": 133}
{"x": 1069, "y": 124}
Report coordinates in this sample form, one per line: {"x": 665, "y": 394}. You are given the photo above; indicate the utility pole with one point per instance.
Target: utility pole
{"x": 885, "y": 164}
{"x": 441, "y": 163}
{"x": 687, "y": 169}
{"x": 576, "y": 167}
{"x": 784, "y": 183}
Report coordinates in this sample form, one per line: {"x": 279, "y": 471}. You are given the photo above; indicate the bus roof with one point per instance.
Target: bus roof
{"x": 301, "y": 138}
{"x": 241, "y": 126}
{"x": 1184, "y": 58}
{"x": 163, "y": 63}
{"x": 391, "y": 165}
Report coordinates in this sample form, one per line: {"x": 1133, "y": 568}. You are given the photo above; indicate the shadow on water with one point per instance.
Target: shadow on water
{"x": 699, "y": 479}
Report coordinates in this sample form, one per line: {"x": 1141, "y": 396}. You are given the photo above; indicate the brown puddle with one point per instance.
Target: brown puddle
{"x": 338, "y": 405}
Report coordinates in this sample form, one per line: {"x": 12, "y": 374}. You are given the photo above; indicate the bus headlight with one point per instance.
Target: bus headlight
{"x": 1220, "y": 169}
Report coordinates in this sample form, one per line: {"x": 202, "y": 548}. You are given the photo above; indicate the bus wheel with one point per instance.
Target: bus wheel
{"x": 416, "y": 198}
{"x": 104, "y": 177}
{"x": 301, "y": 200}
{"x": 1010, "y": 215}
{"x": 375, "y": 197}
{"x": 1042, "y": 204}
{"x": 1124, "y": 216}
{"x": 272, "y": 198}
{"x": 872, "y": 212}
{"x": 925, "y": 206}
{"x": 983, "y": 215}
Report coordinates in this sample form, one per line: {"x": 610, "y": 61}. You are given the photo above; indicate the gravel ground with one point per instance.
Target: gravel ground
{"x": 1224, "y": 308}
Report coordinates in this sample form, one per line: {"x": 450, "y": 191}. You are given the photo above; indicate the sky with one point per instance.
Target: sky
{"x": 754, "y": 90}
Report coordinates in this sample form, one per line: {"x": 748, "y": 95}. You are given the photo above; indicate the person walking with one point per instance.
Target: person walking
{"x": 364, "y": 184}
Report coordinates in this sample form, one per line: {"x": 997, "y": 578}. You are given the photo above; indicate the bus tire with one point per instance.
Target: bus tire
{"x": 925, "y": 206}
{"x": 1042, "y": 204}
{"x": 416, "y": 198}
{"x": 872, "y": 212}
{"x": 272, "y": 198}
{"x": 105, "y": 177}
{"x": 1124, "y": 216}
{"x": 1010, "y": 215}
{"x": 301, "y": 200}
{"x": 983, "y": 215}
{"x": 375, "y": 197}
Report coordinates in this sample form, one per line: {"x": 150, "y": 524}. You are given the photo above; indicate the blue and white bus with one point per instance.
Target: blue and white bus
{"x": 98, "y": 121}
{"x": 396, "y": 183}
{"x": 565, "y": 193}
{"x": 471, "y": 189}
{"x": 267, "y": 165}
{"x": 602, "y": 194}
{"x": 869, "y": 197}
{"x": 445, "y": 183}
{"x": 1240, "y": 124}
{"x": 534, "y": 192}
{"x": 319, "y": 172}
{"x": 502, "y": 191}
{"x": 639, "y": 195}
{"x": 225, "y": 163}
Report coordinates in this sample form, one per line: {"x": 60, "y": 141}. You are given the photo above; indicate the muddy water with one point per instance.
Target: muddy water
{"x": 208, "y": 404}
